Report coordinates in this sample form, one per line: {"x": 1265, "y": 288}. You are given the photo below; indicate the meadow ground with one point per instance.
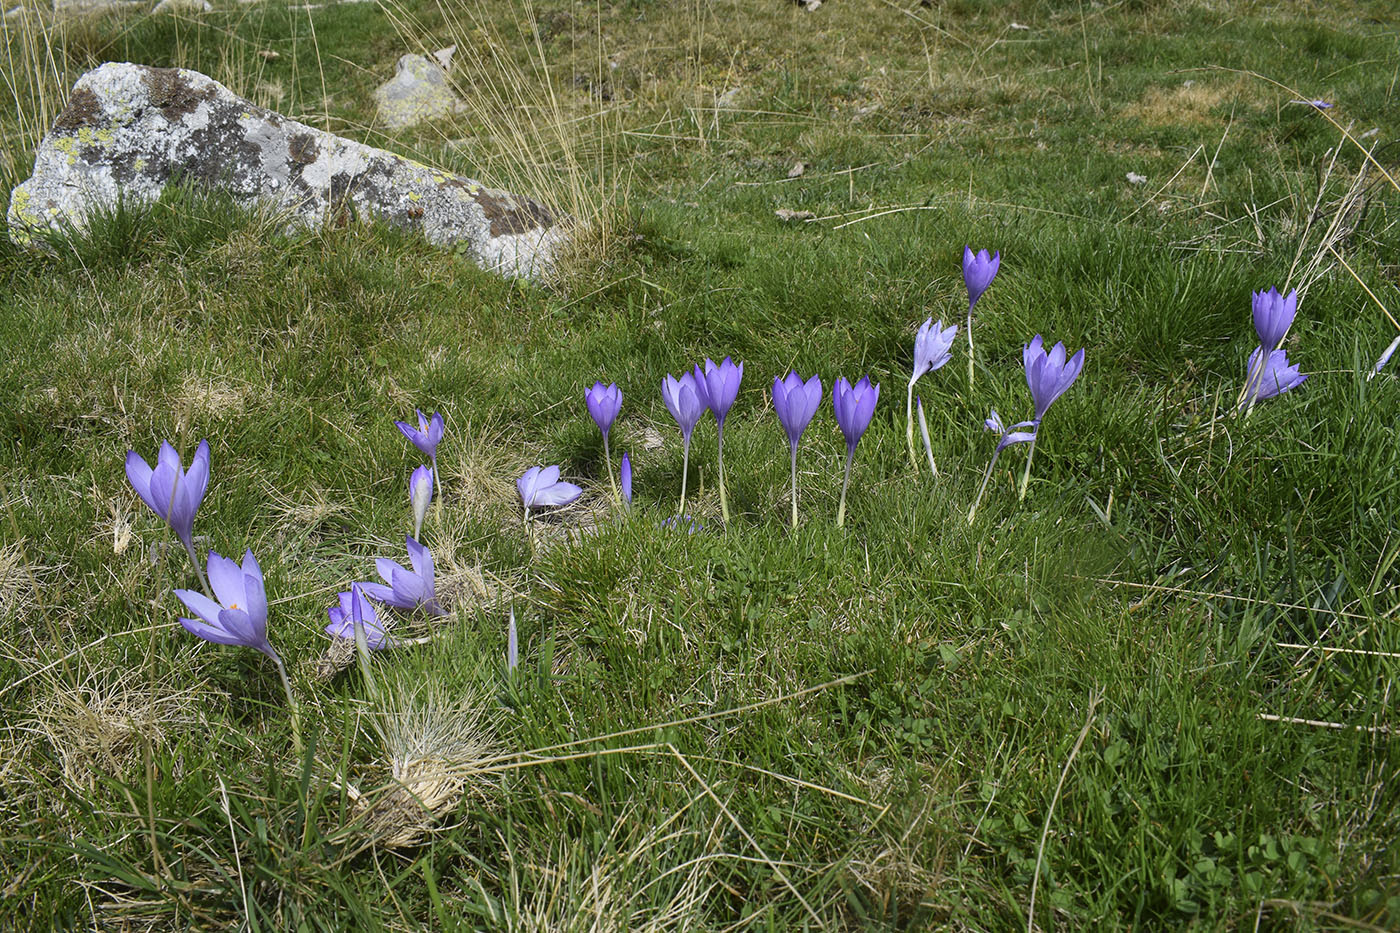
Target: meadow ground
{"x": 1159, "y": 692}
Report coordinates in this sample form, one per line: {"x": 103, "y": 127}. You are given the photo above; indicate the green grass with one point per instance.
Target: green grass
{"x": 750, "y": 727}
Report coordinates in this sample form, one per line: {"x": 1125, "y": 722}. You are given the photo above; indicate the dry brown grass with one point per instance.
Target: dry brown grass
{"x": 1194, "y": 101}
{"x": 99, "y": 724}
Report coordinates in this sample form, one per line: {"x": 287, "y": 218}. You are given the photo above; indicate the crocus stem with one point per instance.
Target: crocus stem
{"x": 845, "y": 484}
{"x": 909, "y": 426}
{"x": 437, "y": 479}
{"x": 607, "y": 462}
{"x": 928, "y": 445}
{"x": 203, "y": 580}
{"x": 418, "y": 527}
{"x": 969, "y": 346}
{"x": 972, "y": 513}
{"x": 291, "y": 705}
{"x": 723, "y": 502}
{"x": 794, "y": 485}
{"x": 685, "y": 472}
{"x": 1026, "y": 476}
{"x": 1250, "y": 390}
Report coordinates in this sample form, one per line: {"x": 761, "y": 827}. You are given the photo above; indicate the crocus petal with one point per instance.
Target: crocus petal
{"x": 201, "y": 605}
{"x": 421, "y": 559}
{"x": 226, "y": 577}
{"x": 138, "y": 472}
{"x": 626, "y": 470}
{"x": 257, "y": 600}
{"x": 408, "y": 587}
{"x": 558, "y": 494}
{"x": 380, "y": 591}
{"x": 1016, "y": 437}
{"x": 197, "y": 479}
{"x": 240, "y": 625}
{"x": 210, "y": 632}
{"x": 528, "y": 483}
{"x": 163, "y": 480}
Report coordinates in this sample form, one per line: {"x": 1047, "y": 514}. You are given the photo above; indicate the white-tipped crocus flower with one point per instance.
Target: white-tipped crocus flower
{"x": 420, "y": 494}
{"x": 933, "y": 347}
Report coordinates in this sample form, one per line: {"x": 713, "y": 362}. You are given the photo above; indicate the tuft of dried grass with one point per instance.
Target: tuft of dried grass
{"x": 98, "y": 726}
{"x": 437, "y": 742}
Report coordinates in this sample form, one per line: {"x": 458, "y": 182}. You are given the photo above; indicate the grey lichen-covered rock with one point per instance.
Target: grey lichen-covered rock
{"x": 419, "y": 91}
{"x": 130, "y": 130}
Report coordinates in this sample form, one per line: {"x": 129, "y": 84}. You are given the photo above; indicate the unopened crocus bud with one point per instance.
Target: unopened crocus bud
{"x": 420, "y": 494}
{"x": 627, "y": 480}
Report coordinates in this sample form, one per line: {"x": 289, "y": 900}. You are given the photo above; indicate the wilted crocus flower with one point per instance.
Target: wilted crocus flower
{"x": 1385, "y": 357}
{"x": 540, "y": 488}
{"x": 718, "y": 387}
{"x": 1048, "y": 375}
{"x": 1273, "y": 315}
{"x": 420, "y": 494}
{"x": 1005, "y": 438}
{"x": 407, "y": 589}
{"x": 239, "y": 617}
{"x": 932, "y": 348}
{"x": 1315, "y": 104}
{"x": 1274, "y": 377}
{"x": 796, "y": 402}
{"x": 604, "y": 403}
{"x": 686, "y": 404}
{"x": 854, "y": 407}
{"x": 626, "y": 480}
{"x": 426, "y": 438}
{"x": 978, "y": 271}
{"x": 173, "y": 493}
{"x": 353, "y": 607}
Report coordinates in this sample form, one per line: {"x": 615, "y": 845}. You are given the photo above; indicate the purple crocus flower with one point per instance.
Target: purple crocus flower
{"x": 540, "y": 488}
{"x": 1005, "y": 438}
{"x": 1273, "y": 315}
{"x": 627, "y": 480}
{"x": 406, "y": 589}
{"x": 420, "y": 494}
{"x": 172, "y": 492}
{"x": 932, "y": 348}
{"x": 854, "y": 407}
{"x": 426, "y": 438}
{"x": 239, "y": 617}
{"x": 686, "y": 404}
{"x": 718, "y": 386}
{"x": 1049, "y": 374}
{"x": 1274, "y": 378}
{"x": 604, "y": 402}
{"x": 978, "y": 271}
{"x": 354, "y": 608}
{"x": 796, "y": 402}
